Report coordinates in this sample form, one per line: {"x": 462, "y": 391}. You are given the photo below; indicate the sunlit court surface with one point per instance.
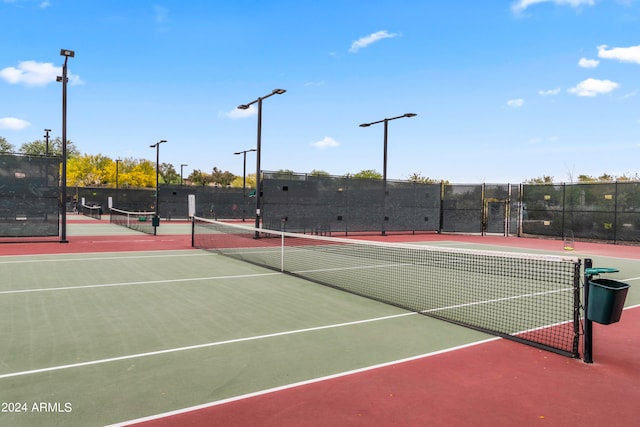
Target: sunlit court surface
{"x": 118, "y": 327}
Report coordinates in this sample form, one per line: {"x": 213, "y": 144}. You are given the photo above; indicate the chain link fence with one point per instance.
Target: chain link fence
{"x": 342, "y": 205}
{"x": 29, "y": 195}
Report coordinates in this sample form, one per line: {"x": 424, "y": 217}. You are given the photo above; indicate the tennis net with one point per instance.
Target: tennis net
{"x": 92, "y": 211}
{"x": 139, "y": 221}
{"x": 529, "y": 298}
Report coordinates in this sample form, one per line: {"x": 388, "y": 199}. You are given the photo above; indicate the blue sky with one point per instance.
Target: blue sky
{"x": 504, "y": 91}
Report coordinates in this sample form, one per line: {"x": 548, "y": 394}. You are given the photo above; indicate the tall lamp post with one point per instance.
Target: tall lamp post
{"x": 46, "y": 141}
{"x": 46, "y": 147}
{"x": 384, "y": 167}
{"x": 244, "y": 107}
{"x": 244, "y": 179}
{"x": 117, "y": 171}
{"x": 182, "y": 166}
{"x": 67, "y": 54}
{"x": 156, "y": 217}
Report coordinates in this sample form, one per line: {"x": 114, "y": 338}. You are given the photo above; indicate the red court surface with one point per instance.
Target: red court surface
{"x": 87, "y": 244}
{"x": 497, "y": 383}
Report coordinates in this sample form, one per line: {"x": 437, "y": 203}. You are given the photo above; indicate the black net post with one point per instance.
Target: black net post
{"x": 588, "y": 324}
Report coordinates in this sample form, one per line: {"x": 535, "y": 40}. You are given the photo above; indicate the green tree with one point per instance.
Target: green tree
{"x": 142, "y": 174}
{"x": 39, "y": 148}
{"x": 545, "y": 179}
{"x": 625, "y": 177}
{"x": 223, "y": 179}
{"x": 200, "y": 178}
{"x": 88, "y": 170}
{"x": 168, "y": 174}
{"x": 250, "y": 181}
{"x": 319, "y": 173}
{"x": 368, "y": 173}
{"x": 417, "y": 177}
{"x": 5, "y": 146}
{"x": 586, "y": 178}
{"x": 133, "y": 173}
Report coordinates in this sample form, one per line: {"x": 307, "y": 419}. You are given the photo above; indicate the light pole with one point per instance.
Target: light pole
{"x": 67, "y": 54}
{"x": 46, "y": 141}
{"x": 117, "y": 171}
{"x": 156, "y": 217}
{"x": 384, "y": 167}
{"x": 244, "y": 107}
{"x": 46, "y": 147}
{"x": 244, "y": 179}
{"x": 182, "y": 166}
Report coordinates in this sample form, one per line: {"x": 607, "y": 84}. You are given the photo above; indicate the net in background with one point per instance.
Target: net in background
{"x": 534, "y": 299}
{"x": 92, "y": 211}
{"x": 139, "y": 221}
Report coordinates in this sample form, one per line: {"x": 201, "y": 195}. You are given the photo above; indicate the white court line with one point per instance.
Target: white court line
{"x": 102, "y": 258}
{"x": 301, "y": 383}
{"x": 199, "y": 346}
{"x": 108, "y": 285}
{"x": 298, "y": 384}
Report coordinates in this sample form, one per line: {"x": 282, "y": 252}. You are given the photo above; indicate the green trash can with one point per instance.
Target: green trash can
{"x": 606, "y": 300}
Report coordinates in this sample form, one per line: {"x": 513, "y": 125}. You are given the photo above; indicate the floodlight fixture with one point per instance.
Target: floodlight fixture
{"x": 244, "y": 178}
{"x": 258, "y": 148}
{"x": 46, "y": 139}
{"x": 182, "y": 166}
{"x": 384, "y": 170}
{"x": 63, "y": 230}
{"x": 156, "y": 218}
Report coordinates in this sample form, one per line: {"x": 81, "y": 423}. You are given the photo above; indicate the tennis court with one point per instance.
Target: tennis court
{"x": 121, "y": 328}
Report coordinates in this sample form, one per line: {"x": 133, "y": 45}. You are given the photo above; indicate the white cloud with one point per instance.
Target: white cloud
{"x": 594, "y": 87}
{"x": 237, "y": 113}
{"x": 588, "y": 63}
{"x": 622, "y": 54}
{"x": 11, "y": 123}
{"x": 549, "y": 92}
{"x": 371, "y": 38}
{"x": 521, "y": 5}
{"x": 326, "y": 142}
{"x": 515, "y": 103}
{"x": 32, "y": 73}
{"x": 41, "y": 4}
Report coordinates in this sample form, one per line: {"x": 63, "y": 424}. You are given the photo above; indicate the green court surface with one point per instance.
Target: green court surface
{"x": 92, "y": 339}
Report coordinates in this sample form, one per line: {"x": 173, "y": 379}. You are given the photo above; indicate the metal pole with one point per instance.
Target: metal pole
{"x": 258, "y": 189}
{"x": 157, "y": 215}
{"x": 588, "y": 324}
{"x": 244, "y": 107}
{"x": 384, "y": 165}
{"x": 244, "y": 182}
{"x": 384, "y": 179}
{"x": 46, "y": 139}
{"x": 181, "y": 168}
{"x": 244, "y": 179}
{"x": 63, "y": 233}
{"x": 117, "y": 161}
{"x": 156, "y": 218}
